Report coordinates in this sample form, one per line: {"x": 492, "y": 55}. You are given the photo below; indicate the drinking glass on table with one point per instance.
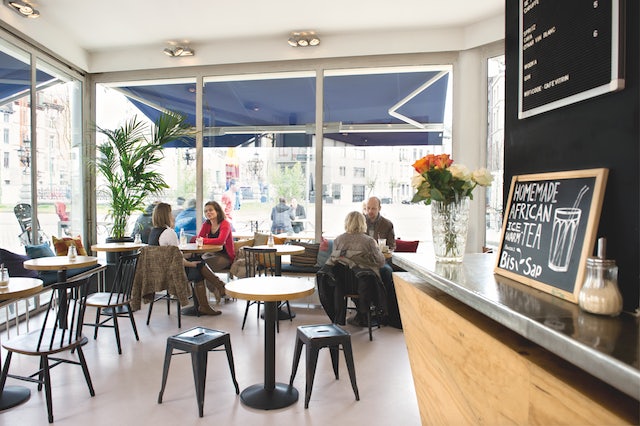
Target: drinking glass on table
{"x": 199, "y": 242}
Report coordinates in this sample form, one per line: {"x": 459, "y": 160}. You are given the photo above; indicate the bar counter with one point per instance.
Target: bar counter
{"x": 606, "y": 348}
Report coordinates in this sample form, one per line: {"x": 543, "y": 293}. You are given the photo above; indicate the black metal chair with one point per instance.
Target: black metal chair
{"x": 117, "y": 302}
{"x": 316, "y": 337}
{"x": 339, "y": 283}
{"x": 51, "y": 339}
{"x": 260, "y": 262}
{"x": 23, "y": 215}
{"x": 198, "y": 342}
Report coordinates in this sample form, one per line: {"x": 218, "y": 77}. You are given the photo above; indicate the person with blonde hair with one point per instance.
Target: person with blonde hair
{"x": 356, "y": 249}
{"x": 163, "y": 234}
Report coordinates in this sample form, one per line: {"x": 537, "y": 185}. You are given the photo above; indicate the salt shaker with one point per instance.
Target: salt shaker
{"x": 72, "y": 253}
{"x": 4, "y": 276}
{"x": 600, "y": 293}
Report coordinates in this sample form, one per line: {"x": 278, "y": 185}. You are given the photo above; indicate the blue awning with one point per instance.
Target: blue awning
{"x": 15, "y": 78}
{"x": 370, "y": 109}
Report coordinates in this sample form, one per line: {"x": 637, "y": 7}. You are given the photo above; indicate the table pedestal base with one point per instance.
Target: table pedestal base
{"x": 281, "y": 396}
{"x": 15, "y": 395}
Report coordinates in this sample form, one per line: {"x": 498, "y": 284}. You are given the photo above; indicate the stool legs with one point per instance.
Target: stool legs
{"x": 199, "y": 366}
{"x": 199, "y": 359}
{"x": 227, "y": 347}
{"x": 165, "y": 370}
{"x": 311, "y": 354}
{"x": 351, "y": 367}
{"x": 312, "y": 362}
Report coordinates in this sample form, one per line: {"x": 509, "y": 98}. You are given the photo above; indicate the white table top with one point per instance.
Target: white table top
{"x": 117, "y": 246}
{"x": 283, "y": 249}
{"x": 20, "y": 287}
{"x": 270, "y": 289}
{"x": 193, "y": 248}
{"x": 58, "y": 263}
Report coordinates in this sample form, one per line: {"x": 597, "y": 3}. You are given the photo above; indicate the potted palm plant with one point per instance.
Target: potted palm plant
{"x": 126, "y": 160}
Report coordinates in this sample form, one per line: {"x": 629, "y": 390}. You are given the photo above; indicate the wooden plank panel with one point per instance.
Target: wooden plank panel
{"x": 468, "y": 369}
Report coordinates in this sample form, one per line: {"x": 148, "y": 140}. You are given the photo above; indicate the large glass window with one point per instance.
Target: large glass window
{"x": 379, "y": 121}
{"x": 262, "y": 127}
{"x": 495, "y": 148}
{"x": 55, "y": 151}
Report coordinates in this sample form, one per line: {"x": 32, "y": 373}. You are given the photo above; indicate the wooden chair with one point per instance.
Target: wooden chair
{"x": 117, "y": 302}
{"x": 51, "y": 339}
{"x": 160, "y": 270}
{"x": 260, "y": 262}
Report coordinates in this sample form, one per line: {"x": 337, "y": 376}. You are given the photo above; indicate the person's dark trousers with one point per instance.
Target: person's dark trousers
{"x": 393, "y": 319}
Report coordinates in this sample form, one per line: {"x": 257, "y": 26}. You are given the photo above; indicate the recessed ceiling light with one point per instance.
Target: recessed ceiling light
{"x": 22, "y": 8}
{"x": 303, "y": 39}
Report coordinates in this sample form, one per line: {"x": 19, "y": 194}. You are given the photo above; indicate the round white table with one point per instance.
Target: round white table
{"x": 270, "y": 290}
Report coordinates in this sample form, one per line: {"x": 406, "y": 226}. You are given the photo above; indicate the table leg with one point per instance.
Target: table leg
{"x": 270, "y": 395}
{"x": 282, "y": 314}
{"x": 13, "y": 395}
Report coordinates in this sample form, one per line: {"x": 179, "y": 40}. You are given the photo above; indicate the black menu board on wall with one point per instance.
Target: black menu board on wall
{"x": 570, "y": 50}
{"x": 549, "y": 229}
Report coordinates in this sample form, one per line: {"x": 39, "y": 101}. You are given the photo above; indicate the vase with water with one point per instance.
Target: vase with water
{"x": 449, "y": 226}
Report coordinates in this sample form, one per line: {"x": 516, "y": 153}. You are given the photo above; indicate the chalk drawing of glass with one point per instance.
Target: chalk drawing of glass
{"x": 563, "y": 237}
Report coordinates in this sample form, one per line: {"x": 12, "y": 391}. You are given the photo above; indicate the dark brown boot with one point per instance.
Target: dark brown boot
{"x": 215, "y": 286}
{"x": 203, "y": 301}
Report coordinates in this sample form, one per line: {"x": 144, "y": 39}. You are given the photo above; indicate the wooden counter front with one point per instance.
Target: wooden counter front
{"x": 469, "y": 369}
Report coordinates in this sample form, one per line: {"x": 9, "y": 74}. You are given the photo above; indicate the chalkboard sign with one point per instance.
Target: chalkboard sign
{"x": 570, "y": 50}
{"x": 549, "y": 229}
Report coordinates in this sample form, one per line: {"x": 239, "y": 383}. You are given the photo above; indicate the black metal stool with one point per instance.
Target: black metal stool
{"x": 198, "y": 342}
{"x": 317, "y": 337}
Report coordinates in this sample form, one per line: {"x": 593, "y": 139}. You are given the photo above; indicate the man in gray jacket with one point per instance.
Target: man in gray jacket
{"x": 281, "y": 217}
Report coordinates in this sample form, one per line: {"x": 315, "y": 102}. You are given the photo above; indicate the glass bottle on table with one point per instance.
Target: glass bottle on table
{"x": 270, "y": 240}
{"x": 183, "y": 237}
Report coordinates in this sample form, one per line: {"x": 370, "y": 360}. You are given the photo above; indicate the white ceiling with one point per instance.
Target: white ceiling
{"x": 96, "y": 34}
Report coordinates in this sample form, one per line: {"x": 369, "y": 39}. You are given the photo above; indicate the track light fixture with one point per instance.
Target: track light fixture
{"x": 177, "y": 51}
{"x": 22, "y": 8}
{"x": 303, "y": 39}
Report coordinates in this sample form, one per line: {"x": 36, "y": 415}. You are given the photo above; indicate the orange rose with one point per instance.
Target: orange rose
{"x": 442, "y": 161}
{"x": 422, "y": 165}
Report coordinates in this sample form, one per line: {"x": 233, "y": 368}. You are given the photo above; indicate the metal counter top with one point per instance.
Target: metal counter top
{"x": 607, "y": 348}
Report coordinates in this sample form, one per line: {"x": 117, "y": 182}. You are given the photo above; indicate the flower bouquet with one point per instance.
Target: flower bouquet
{"x": 447, "y": 187}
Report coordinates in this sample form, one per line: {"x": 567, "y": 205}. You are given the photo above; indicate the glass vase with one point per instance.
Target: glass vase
{"x": 449, "y": 225}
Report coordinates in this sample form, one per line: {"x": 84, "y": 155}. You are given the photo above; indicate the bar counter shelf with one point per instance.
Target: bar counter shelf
{"x": 604, "y": 347}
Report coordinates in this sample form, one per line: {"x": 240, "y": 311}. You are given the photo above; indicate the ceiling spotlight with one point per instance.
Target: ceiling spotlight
{"x": 21, "y": 8}
{"x": 303, "y": 39}
{"x": 177, "y": 51}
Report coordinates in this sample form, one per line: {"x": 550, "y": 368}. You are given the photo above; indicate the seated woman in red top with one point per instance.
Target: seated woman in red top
{"x": 216, "y": 230}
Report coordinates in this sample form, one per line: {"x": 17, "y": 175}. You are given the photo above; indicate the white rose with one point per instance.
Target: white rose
{"x": 482, "y": 177}
{"x": 460, "y": 172}
{"x": 417, "y": 180}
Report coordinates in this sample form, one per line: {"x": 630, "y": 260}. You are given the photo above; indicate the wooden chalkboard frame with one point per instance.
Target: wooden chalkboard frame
{"x": 574, "y": 276}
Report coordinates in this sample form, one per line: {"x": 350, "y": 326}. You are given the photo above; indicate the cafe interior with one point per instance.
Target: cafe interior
{"x": 330, "y": 105}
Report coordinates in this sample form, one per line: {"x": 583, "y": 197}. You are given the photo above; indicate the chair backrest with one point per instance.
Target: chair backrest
{"x": 68, "y": 300}
{"x": 351, "y": 277}
{"x": 403, "y": 246}
{"x": 259, "y": 261}
{"x": 123, "y": 280}
{"x": 61, "y": 211}
{"x": 23, "y": 214}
